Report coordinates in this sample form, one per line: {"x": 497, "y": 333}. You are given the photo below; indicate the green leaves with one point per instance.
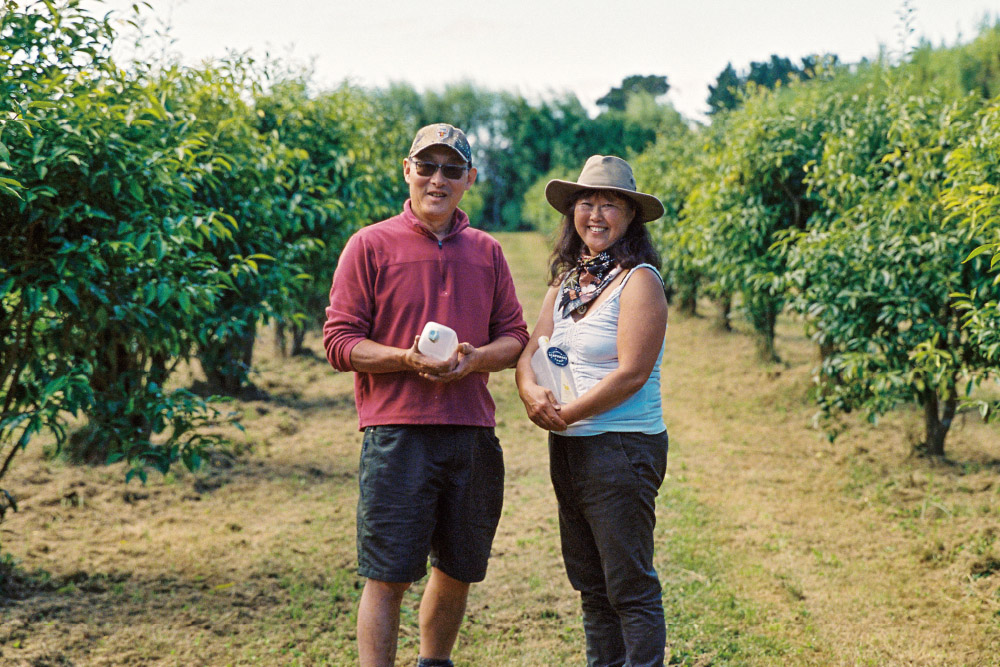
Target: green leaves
{"x": 868, "y": 203}
{"x": 987, "y": 247}
{"x": 151, "y": 214}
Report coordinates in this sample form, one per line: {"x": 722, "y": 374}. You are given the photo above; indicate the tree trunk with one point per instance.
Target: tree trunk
{"x": 763, "y": 313}
{"x": 937, "y": 422}
{"x": 725, "y": 311}
{"x": 297, "y": 347}
{"x": 279, "y": 339}
{"x": 298, "y": 340}
{"x": 765, "y": 347}
{"x": 227, "y": 363}
{"x": 689, "y": 299}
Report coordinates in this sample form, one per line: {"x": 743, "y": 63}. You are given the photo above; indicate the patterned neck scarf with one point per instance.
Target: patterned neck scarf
{"x": 585, "y": 281}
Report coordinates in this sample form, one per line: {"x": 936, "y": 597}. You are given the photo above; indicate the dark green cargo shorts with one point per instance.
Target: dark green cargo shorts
{"x": 428, "y": 490}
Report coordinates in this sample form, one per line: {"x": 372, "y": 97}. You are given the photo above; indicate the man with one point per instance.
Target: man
{"x": 431, "y": 471}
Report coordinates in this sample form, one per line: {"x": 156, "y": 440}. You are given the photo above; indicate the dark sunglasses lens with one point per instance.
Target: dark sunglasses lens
{"x": 451, "y": 171}
{"x": 425, "y": 168}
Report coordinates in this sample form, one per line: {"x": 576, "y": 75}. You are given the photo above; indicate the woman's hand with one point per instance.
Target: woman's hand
{"x": 540, "y": 403}
{"x": 541, "y": 406}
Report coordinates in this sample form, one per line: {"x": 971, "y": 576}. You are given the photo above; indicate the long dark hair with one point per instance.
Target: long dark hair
{"x": 631, "y": 250}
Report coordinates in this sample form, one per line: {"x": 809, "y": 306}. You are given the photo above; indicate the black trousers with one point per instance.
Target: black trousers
{"x": 606, "y": 486}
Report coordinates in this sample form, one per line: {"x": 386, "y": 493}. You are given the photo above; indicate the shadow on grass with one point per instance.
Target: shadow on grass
{"x": 959, "y": 467}
{"x": 223, "y": 468}
{"x": 294, "y": 400}
{"x": 281, "y": 395}
{"x": 43, "y": 622}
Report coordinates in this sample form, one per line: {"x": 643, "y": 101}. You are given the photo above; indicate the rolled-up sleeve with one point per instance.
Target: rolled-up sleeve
{"x": 349, "y": 315}
{"x": 507, "y": 318}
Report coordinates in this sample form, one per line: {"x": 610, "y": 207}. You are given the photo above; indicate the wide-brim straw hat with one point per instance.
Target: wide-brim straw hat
{"x": 604, "y": 172}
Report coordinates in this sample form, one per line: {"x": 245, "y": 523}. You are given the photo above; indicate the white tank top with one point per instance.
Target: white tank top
{"x": 592, "y": 346}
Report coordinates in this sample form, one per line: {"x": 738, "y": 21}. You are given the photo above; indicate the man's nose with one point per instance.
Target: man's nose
{"x": 438, "y": 176}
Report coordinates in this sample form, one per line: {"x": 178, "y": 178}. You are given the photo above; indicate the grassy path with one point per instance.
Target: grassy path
{"x": 775, "y": 546}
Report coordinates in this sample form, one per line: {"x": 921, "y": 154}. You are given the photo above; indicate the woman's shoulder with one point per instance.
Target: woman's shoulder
{"x": 643, "y": 282}
{"x": 650, "y": 270}
{"x": 645, "y": 274}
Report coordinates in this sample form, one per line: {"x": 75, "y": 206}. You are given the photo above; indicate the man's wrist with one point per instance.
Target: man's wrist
{"x": 402, "y": 359}
{"x": 472, "y": 360}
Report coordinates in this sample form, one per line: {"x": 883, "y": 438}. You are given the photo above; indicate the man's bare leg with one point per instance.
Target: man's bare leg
{"x": 442, "y": 609}
{"x": 378, "y": 622}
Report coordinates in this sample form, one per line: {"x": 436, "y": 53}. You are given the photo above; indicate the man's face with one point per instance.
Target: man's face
{"x": 434, "y": 198}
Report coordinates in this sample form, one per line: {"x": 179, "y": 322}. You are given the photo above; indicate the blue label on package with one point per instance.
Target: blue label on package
{"x": 557, "y": 356}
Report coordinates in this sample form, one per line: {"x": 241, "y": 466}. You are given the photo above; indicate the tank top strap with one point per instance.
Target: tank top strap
{"x": 628, "y": 275}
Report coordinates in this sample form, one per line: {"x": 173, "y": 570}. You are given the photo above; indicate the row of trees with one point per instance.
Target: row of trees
{"x": 516, "y": 142}
{"x": 865, "y": 200}
{"x": 156, "y": 215}
{"x": 160, "y": 214}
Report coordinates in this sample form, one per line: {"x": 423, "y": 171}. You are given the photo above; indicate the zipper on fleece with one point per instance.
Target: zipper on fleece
{"x": 441, "y": 266}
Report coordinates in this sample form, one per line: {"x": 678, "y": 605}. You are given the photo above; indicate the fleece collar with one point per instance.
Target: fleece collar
{"x": 459, "y": 222}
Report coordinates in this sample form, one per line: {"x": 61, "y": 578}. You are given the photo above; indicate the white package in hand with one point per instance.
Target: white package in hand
{"x": 552, "y": 371}
{"x": 438, "y": 341}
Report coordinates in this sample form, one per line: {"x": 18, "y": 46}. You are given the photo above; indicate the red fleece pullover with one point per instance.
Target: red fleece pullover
{"x": 392, "y": 278}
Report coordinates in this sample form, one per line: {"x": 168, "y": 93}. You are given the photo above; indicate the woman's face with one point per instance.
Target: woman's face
{"x": 601, "y": 218}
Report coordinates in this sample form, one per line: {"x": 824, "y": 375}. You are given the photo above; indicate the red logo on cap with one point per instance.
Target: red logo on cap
{"x": 442, "y": 132}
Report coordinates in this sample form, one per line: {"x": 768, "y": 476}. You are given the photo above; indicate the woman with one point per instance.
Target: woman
{"x": 606, "y": 310}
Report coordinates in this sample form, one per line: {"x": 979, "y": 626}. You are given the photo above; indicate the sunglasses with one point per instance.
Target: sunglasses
{"x": 452, "y": 172}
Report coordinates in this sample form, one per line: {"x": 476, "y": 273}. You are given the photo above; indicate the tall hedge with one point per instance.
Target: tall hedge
{"x": 105, "y": 272}
{"x": 864, "y": 201}
{"x": 155, "y": 214}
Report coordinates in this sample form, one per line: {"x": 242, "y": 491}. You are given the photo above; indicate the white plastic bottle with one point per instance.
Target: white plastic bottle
{"x": 552, "y": 371}
{"x": 438, "y": 341}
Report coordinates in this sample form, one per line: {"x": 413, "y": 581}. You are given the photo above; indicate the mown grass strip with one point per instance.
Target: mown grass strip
{"x": 708, "y": 623}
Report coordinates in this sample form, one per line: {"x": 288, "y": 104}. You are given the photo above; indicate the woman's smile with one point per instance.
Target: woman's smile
{"x": 601, "y": 219}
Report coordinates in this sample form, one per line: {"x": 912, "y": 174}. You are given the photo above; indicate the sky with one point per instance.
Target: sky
{"x": 542, "y": 48}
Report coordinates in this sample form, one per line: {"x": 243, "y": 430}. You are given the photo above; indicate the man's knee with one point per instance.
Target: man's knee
{"x": 389, "y": 591}
{"x": 448, "y": 585}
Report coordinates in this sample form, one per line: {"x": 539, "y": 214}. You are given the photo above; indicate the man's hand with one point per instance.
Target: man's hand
{"x": 542, "y": 407}
{"x": 427, "y": 366}
{"x": 465, "y": 358}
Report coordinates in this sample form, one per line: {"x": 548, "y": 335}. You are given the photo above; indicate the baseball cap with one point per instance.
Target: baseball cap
{"x": 442, "y": 134}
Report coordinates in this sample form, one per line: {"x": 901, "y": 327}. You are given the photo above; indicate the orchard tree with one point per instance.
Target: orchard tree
{"x": 671, "y": 169}
{"x": 964, "y": 68}
{"x": 876, "y": 278}
{"x": 756, "y": 194}
{"x": 249, "y": 181}
{"x": 346, "y": 175}
{"x": 973, "y": 204}
{"x": 104, "y": 277}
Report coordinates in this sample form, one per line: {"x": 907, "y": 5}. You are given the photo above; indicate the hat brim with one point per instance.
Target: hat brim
{"x": 560, "y": 195}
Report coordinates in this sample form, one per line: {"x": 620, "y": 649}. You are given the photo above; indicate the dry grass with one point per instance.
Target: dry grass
{"x": 862, "y": 552}
{"x": 775, "y": 546}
